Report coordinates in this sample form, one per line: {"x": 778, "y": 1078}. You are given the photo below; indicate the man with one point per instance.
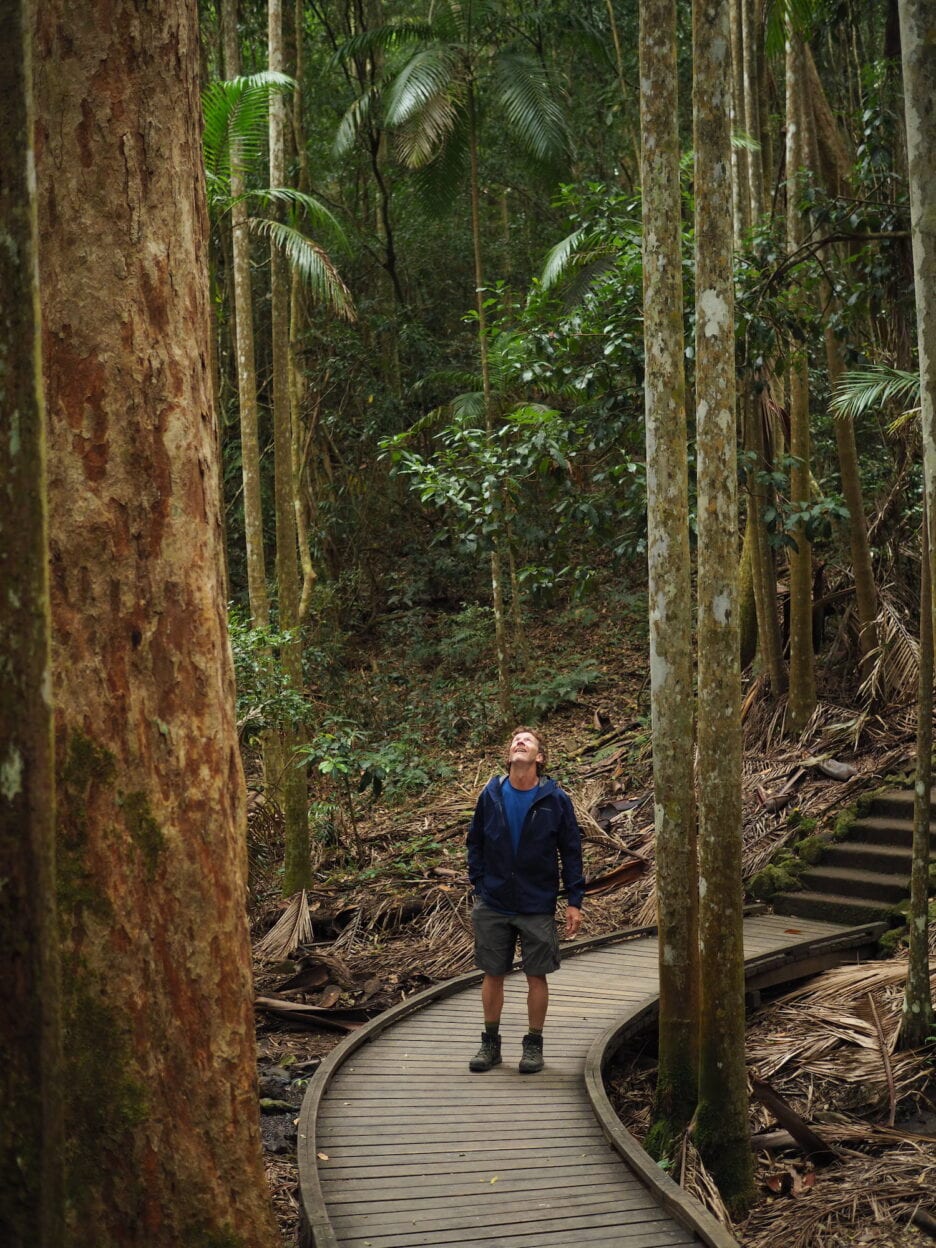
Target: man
{"x": 523, "y": 827}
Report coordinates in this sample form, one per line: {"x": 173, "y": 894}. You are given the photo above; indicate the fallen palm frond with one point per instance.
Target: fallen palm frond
{"x": 293, "y": 928}
{"x": 896, "y": 660}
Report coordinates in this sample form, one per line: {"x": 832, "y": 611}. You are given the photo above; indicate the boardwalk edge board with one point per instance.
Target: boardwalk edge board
{"x": 642, "y": 1018}
{"x": 315, "y": 1228}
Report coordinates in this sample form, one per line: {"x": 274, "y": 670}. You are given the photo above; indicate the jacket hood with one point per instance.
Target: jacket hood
{"x": 546, "y": 785}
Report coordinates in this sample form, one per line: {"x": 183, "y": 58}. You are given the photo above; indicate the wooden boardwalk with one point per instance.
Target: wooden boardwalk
{"x": 399, "y": 1144}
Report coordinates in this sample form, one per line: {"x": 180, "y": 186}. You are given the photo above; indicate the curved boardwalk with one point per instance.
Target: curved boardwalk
{"x": 399, "y": 1144}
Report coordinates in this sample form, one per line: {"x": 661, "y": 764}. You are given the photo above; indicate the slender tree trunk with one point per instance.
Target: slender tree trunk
{"x": 162, "y": 1129}
{"x": 296, "y": 321}
{"x": 31, "y": 1127}
{"x": 670, "y": 591}
{"x": 917, "y": 1022}
{"x": 245, "y": 354}
{"x": 802, "y": 668}
{"x": 918, "y": 54}
{"x": 740, "y": 201}
{"x": 297, "y": 872}
{"x": 829, "y": 162}
{"x": 721, "y": 1124}
{"x": 751, "y": 42}
{"x": 497, "y": 575}
{"x": 747, "y": 594}
{"x": 765, "y": 581}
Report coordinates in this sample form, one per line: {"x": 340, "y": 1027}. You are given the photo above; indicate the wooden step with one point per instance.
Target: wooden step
{"x": 833, "y": 908}
{"x": 849, "y": 882}
{"x": 897, "y": 805}
{"x": 868, "y": 856}
{"x": 885, "y": 830}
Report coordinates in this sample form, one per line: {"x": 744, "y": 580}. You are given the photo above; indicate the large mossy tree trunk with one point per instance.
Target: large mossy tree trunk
{"x": 918, "y": 53}
{"x": 802, "y": 692}
{"x": 721, "y": 1124}
{"x": 162, "y": 1127}
{"x": 669, "y": 584}
{"x": 31, "y": 1129}
{"x": 297, "y": 872}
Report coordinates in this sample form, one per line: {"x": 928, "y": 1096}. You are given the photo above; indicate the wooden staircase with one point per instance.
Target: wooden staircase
{"x": 865, "y": 876}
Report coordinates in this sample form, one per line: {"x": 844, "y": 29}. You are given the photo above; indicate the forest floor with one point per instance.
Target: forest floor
{"x": 389, "y": 911}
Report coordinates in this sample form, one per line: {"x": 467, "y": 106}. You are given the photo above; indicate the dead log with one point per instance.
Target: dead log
{"x": 813, "y": 1145}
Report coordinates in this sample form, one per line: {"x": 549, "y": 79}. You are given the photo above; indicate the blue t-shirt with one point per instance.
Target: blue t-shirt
{"x": 516, "y": 804}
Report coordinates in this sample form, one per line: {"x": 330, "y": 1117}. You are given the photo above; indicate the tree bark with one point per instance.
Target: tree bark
{"x": 753, "y": 52}
{"x": 917, "y": 1021}
{"x": 802, "y": 693}
{"x": 669, "y": 584}
{"x": 297, "y": 871}
{"x": 765, "y": 580}
{"x": 160, "y": 1074}
{"x": 31, "y": 1126}
{"x": 245, "y": 354}
{"x": 505, "y": 696}
{"x": 721, "y": 1126}
{"x": 918, "y": 50}
{"x": 918, "y": 53}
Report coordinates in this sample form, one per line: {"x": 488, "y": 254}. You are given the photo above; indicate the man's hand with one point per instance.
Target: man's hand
{"x": 573, "y": 922}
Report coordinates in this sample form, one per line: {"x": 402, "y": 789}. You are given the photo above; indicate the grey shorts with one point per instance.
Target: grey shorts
{"x": 496, "y": 940}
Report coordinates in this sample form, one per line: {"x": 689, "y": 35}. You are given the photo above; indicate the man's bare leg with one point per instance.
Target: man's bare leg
{"x": 492, "y": 998}
{"x": 537, "y": 1001}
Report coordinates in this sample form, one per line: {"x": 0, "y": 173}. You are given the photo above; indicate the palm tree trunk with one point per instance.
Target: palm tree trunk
{"x": 298, "y": 867}
{"x": 802, "y": 669}
{"x": 752, "y": 53}
{"x": 497, "y": 578}
{"x": 245, "y": 355}
{"x": 669, "y": 582}
{"x": 721, "y": 1123}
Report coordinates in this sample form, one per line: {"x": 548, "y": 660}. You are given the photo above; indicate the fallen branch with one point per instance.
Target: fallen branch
{"x": 813, "y": 1145}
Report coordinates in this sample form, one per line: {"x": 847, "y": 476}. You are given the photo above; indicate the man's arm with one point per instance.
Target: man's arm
{"x": 475, "y": 845}
{"x": 570, "y": 856}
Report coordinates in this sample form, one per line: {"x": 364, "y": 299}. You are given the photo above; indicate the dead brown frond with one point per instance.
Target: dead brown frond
{"x": 293, "y": 928}
{"x": 896, "y": 660}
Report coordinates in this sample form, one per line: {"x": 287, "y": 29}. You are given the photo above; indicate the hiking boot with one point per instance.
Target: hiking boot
{"x": 488, "y": 1055}
{"x": 532, "y": 1059}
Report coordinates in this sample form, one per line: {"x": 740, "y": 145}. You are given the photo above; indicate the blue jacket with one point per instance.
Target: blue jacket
{"x": 526, "y": 882}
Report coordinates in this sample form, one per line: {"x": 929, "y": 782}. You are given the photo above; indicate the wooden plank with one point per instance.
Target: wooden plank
{"x": 445, "y": 1150}
{"x": 493, "y": 1204}
{"x": 655, "y": 1234}
{"x": 648, "y": 1220}
{"x": 337, "y": 1167}
{"x": 539, "y": 1178}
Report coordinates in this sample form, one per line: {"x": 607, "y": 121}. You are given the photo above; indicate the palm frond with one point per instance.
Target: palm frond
{"x": 745, "y": 142}
{"x": 530, "y": 105}
{"x": 562, "y": 257}
{"x": 354, "y": 120}
{"x": 315, "y": 210}
{"x": 783, "y": 16}
{"x": 311, "y": 262}
{"x": 438, "y": 182}
{"x": 422, "y": 138}
{"x": 467, "y": 406}
{"x": 449, "y": 378}
{"x": 387, "y": 38}
{"x": 235, "y": 114}
{"x": 427, "y": 74}
{"x": 862, "y": 390}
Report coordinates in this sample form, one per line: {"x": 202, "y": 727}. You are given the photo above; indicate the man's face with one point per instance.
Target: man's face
{"x": 524, "y": 748}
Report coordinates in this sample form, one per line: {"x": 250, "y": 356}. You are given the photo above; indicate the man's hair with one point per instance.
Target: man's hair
{"x": 540, "y": 741}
